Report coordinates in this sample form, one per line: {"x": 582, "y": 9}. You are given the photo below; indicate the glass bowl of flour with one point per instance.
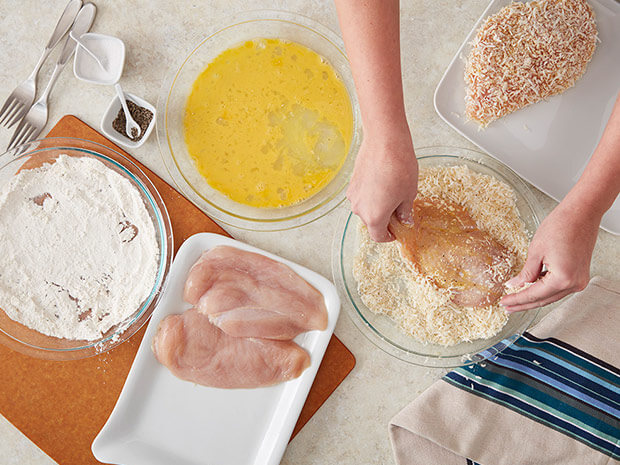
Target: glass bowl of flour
{"x": 86, "y": 247}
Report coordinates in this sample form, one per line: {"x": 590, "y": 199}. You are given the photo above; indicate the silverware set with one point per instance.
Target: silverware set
{"x": 19, "y": 107}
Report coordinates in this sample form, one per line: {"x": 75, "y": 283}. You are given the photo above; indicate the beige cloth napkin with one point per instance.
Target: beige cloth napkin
{"x": 449, "y": 425}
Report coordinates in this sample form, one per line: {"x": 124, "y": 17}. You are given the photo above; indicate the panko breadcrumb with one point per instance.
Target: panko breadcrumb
{"x": 389, "y": 284}
{"x": 525, "y": 53}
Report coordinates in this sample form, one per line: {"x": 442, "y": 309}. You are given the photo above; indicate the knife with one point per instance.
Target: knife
{"x": 81, "y": 25}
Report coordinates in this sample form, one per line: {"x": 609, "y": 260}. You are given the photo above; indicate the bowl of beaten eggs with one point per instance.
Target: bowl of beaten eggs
{"x": 260, "y": 126}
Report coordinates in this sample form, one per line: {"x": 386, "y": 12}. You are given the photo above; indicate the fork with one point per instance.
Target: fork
{"x": 32, "y": 124}
{"x": 22, "y": 97}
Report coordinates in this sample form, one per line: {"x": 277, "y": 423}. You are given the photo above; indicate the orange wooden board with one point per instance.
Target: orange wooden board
{"x": 61, "y": 406}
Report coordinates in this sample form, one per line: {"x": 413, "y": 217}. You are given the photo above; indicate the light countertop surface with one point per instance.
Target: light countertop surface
{"x": 351, "y": 427}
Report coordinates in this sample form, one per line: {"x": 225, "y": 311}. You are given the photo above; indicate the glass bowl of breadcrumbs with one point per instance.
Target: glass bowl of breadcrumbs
{"x": 405, "y": 313}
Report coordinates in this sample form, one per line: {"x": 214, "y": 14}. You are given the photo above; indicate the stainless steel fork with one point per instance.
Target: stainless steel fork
{"x": 32, "y": 124}
{"x": 21, "y": 98}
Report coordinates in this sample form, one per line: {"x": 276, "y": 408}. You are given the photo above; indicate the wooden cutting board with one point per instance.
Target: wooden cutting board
{"x": 61, "y": 406}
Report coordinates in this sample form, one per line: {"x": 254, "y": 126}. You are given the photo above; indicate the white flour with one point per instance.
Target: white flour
{"x": 78, "y": 251}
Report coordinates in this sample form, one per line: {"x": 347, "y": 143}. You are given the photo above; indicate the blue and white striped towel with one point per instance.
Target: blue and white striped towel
{"x": 553, "y": 397}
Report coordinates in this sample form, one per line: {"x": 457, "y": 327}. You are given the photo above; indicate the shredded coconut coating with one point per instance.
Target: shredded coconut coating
{"x": 389, "y": 284}
{"x": 525, "y": 53}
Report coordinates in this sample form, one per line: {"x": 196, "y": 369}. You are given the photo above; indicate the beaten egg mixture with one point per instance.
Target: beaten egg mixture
{"x": 268, "y": 123}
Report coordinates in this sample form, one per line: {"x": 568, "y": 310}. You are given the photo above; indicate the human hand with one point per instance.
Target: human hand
{"x": 563, "y": 243}
{"x": 385, "y": 177}
{"x": 384, "y": 181}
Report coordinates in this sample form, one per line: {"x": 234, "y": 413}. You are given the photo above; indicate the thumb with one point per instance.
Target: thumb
{"x": 404, "y": 212}
{"x": 530, "y": 272}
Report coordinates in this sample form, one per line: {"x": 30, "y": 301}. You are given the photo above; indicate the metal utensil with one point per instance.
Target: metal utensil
{"x": 130, "y": 123}
{"x": 100, "y": 61}
{"x": 17, "y": 104}
{"x": 32, "y": 124}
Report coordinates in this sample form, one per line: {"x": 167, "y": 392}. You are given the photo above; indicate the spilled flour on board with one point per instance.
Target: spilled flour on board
{"x": 79, "y": 250}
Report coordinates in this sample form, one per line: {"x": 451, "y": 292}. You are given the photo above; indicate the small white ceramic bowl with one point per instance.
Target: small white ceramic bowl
{"x": 109, "y": 49}
{"x": 112, "y": 112}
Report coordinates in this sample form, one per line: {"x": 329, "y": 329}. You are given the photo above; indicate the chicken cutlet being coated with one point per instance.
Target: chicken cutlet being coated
{"x": 195, "y": 350}
{"x": 446, "y": 245}
{"x": 246, "y": 294}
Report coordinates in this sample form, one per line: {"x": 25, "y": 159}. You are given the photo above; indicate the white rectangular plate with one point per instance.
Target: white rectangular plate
{"x": 548, "y": 143}
{"x": 162, "y": 420}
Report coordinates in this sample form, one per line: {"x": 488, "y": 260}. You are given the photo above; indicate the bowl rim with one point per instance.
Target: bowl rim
{"x": 223, "y": 215}
{"x": 131, "y": 171}
{"x": 394, "y": 349}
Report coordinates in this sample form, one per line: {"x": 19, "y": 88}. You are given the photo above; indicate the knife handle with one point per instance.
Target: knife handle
{"x": 64, "y": 23}
{"x": 81, "y": 25}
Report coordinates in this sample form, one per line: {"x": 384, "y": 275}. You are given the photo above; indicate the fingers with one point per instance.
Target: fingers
{"x": 376, "y": 220}
{"x": 376, "y": 194}
{"x": 545, "y": 289}
{"x": 528, "y": 297}
{"x": 542, "y": 303}
{"x": 378, "y": 226}
{"x": 378, "y": 230}
{"x": 530, "y": 272}
{"x": 404, "y": 212}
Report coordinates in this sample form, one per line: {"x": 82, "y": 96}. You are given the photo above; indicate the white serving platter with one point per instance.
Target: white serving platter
{"x": 548, "y": 143}
{"x": 162, "y": 420}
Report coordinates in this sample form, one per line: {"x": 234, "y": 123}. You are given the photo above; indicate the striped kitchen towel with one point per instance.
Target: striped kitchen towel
{"x": 553, "y": 397}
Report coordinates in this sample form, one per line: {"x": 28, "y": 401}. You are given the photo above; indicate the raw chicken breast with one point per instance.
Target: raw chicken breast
{"x": 249, "y": 295}
{"x": 195, "y": 350}
{"x": 446, "y": 245}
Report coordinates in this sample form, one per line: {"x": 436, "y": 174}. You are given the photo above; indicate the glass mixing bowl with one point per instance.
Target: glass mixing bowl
{"x": 383, "y": 331}
{"x": 171, "y": 111}
{"x": 33, "y": 154}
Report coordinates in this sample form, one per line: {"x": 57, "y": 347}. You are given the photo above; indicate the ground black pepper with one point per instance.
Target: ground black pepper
{"x": 141, "y": 115}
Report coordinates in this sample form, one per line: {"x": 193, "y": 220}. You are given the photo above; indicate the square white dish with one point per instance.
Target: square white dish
{"x": 110, "y": 115}
{"x": 107, "y": 48}
{"x": 161, "y": 420}
{"x": 548, "y": 143}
